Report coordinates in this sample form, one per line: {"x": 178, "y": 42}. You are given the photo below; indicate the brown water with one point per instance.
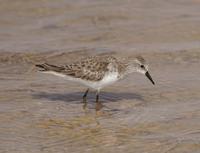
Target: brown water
{"x": 43, "y": 113}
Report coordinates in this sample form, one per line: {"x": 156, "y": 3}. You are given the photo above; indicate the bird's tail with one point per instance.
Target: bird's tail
{"x": 48, "y": 67}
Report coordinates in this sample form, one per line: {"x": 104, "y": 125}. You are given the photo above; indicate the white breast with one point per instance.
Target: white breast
{"x": 108, "y": 79}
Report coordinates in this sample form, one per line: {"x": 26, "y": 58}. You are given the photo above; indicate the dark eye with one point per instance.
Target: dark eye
{"x": 142, "y": 66}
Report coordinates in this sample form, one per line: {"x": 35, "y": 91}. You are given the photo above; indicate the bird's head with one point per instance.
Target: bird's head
{"x": 139, "y": 65}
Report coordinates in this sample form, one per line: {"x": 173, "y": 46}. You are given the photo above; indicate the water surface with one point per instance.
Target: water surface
{"x": 43, "y": 113}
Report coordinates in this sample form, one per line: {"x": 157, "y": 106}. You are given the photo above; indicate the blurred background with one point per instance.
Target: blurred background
{"x": 62, "y": 25}
{"x": 42, "y": 113}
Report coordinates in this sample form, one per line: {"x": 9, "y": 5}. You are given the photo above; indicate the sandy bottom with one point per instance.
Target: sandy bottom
{"x": 43, "y": 113}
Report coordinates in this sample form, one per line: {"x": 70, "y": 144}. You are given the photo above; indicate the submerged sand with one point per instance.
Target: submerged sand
{"x": 43, "y": 113}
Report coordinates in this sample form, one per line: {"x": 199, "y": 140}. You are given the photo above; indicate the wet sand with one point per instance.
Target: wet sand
{"x": 43, "y": 113}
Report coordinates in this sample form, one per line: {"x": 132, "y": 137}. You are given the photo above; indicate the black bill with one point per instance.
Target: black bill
{"x": 149, "y": 77}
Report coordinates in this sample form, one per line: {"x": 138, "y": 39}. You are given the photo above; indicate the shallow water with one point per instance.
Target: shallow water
{"x": 43, "y": 113}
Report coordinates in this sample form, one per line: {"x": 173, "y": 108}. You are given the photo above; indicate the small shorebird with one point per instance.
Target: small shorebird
{"x": 98, "y": 71}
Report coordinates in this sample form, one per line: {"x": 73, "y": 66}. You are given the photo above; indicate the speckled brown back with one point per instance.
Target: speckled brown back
{"x": 91, "y": 68}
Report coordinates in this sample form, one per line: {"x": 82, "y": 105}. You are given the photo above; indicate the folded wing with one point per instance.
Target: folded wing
{"x": 92, "y": 68}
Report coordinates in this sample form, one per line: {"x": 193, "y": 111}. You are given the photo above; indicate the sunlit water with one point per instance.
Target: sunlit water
{"x": 43, "y": 113}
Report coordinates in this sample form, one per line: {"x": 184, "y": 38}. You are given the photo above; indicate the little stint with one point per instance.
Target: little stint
{"x": 97, "y": 72}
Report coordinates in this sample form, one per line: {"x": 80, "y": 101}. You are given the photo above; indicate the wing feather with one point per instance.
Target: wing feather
{"x": 93, "y": 68}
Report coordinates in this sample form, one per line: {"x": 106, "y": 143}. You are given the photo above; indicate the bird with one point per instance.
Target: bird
{"x": 97, "y": 72}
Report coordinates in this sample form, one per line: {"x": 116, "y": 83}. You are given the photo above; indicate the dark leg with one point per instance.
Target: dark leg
{"x": 98, "y": 104}
{"x": 85, "y": 98}
{"x": 85, "y": 94}
{"x": 97, "y": 97}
